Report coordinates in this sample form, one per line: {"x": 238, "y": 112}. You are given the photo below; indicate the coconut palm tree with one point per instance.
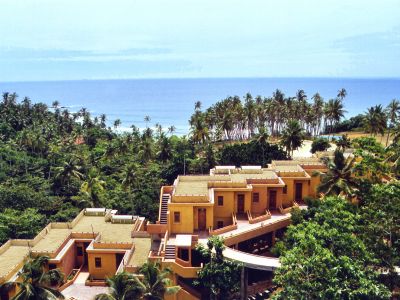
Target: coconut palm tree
{"x": 334, "y": 111}
{"x": 117, "y": 123}
{"x": 156, "y": 283}
{"x": 70, "y": 168}
{"x": 171, "y": 129}
{"x": 36, "y": 283}
{"x": 165, "y": 148}
{"x": 147, "y": 119}
{"x": 393, "y": 111}
{"x": 199, "y": 130}
{"x": 342, "y": 93}
{"x": 292, "y": 136}
{"x": 338, "y": 180}
{"x": 92, "y": 188}
{"x": 122, "y": 286}
{"x": 375, "y": 120}
{"x": 262, "y": 140}
{"x": 343, "y": 142}
{"x": 129, "y": 176}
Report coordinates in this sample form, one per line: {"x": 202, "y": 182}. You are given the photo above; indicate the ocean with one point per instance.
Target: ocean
{"x": 171, "y": 101}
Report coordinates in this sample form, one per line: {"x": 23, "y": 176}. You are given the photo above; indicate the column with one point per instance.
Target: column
{"x": 243, "y": 284}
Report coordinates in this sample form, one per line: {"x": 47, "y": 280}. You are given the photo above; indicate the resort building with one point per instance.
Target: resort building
{"x": 97, "y": 244}
{"x": 248, "y": 206}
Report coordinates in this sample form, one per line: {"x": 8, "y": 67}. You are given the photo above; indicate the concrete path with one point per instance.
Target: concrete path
{"x": 79, "y": 291}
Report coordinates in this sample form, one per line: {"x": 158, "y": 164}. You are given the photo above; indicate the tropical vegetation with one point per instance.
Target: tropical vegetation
{"x": 36, "y": 283}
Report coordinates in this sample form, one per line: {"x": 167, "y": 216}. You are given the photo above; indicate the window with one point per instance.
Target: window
{"x": 79, "y": 251}
{"x": 220, "y": 200}
{"x": 220, "y": 224}
{"x": 285, "y": 189}
{"x": 256, "y": 197}
{"x": 97, "y": 262}
{"x": 177, "y": 217}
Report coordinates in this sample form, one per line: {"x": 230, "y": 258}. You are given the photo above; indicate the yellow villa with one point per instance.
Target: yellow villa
{"x": 248, "y": 206}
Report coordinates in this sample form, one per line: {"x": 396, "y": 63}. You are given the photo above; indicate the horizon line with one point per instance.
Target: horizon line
{"x": 204, "y": 77}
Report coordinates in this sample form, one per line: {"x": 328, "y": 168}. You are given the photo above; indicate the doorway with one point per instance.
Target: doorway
{"x": 298, "y": 192}
{"x": 118, "y": 258}
{"x": 240, "y": 204}
{"x": 202, "y": 218}
{"x": 272, "y": 199}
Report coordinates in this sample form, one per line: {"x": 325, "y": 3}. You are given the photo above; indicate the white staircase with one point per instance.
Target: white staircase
{"x": 169, "y": 252}
{"x": 164, "y": 208}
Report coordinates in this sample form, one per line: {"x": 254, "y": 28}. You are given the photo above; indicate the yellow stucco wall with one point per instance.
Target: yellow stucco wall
{"x": 224, "y": 212}
{"x": 188, "y": 217}
{"x": 108, "y": 265}
{"x": 260, "y": 207}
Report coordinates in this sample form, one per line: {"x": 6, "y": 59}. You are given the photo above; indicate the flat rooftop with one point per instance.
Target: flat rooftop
{"x": 109, "y": 232}
{"x": 12, "y": 257}
{"x": 195, "y": 187}
{"x": 142, "y": 248}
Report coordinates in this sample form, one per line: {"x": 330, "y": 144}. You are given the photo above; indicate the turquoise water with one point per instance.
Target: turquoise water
{"x": 171, "y": 101}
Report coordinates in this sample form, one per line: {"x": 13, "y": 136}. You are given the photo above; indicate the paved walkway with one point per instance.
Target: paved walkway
{"x": 80, "y": 291}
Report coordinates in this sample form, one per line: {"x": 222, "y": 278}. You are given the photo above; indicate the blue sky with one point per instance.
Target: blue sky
{"x": 63, "y": 40}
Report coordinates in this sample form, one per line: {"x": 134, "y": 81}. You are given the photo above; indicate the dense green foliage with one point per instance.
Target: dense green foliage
{"x": 250, "y": 154}
{"x": 324, "y": 256}
{"x": 320, "y": 144}
{"x": 219, "y": 276}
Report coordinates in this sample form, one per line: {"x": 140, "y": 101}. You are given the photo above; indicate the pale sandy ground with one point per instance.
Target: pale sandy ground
{"x": 304, "y": 150}
{"x": 79, "y": 291}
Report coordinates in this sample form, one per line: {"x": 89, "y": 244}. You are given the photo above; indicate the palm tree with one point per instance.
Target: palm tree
{"x": 171, "y": 129}
{"x": 70, "y": 168}
{"x": 375, "y": 120}
{"x": 92, "y": 188}
{"x": 147, "y": 120}
{"x": 156, "y": 283}
{"x": 262, "y": 140}
{"x": 197, "y": 105}
{"x": 292, "y": 136}
{"x": 338, "y": 180}
{"x": 343, "y": 142}
{"x": 342, "y": 93}
{"x": 129, "y": 176}
{"x": 393, "y": 111}
{"x": 165, "y": 148}
{"x": 199, "y": 131}
{"x": 122, "y": 286}
{"x": 36, "y": 283}
{"x": 117, "y": 123}
{"x": 334, "y": 111}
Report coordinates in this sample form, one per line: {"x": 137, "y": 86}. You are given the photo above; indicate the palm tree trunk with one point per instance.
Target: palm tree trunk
{"x": 387, "y": 139}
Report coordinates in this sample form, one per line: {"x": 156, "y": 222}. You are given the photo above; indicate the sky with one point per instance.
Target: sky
{"x": 86, "y": 39}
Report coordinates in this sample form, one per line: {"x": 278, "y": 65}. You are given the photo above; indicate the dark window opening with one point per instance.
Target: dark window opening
{"x": 177, "y": 217}
{"x": 79, "y": 251}
{"x": 220, "y": 200}
{"x": 97, "y": 262}
{"x": 256, "y": 197}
